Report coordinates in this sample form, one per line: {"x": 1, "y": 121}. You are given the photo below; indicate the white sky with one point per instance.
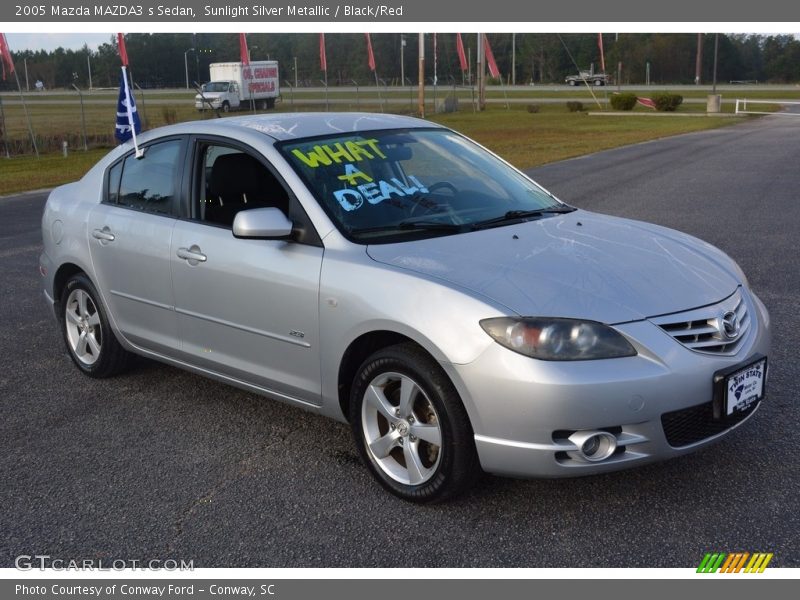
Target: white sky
{"x": 51, "y": 41}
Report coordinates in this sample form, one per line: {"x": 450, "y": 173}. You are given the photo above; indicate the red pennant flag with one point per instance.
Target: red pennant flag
{"x": 648, "y": 102}
{"x": 6, "y": 62}
{"x": 243, "y": 51}
{"x": 123, "y": 52}
{"x": 602, "y": 56}
{"x": 462, "y": 58}
{"x": 490, "y": 62}
{"x": 370, "y": 55}
{"x": 323, "y": 59}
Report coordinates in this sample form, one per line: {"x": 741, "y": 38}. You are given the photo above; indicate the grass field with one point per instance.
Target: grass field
{"x": 525, "y": 139}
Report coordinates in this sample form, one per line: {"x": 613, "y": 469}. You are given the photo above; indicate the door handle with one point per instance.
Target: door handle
{"x": 193, "y": 255}
{"x": 104, "y": 235}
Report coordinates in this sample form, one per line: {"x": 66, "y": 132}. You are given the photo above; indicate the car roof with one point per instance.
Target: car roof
{"x": 288, "y": 126}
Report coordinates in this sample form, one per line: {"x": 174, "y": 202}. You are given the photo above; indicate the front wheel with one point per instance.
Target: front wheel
{"x": 226, "y": 107}
{"x": 90, "y": 342}
{"x": 410, "y": 426}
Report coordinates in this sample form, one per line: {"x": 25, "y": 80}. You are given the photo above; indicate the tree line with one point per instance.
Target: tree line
{"x": 165, "y": 60}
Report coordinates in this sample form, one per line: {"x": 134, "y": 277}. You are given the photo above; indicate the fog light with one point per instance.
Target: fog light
{"x": 592, "y": 446}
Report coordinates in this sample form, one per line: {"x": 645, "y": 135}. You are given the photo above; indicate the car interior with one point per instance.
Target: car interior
{"x": 235, "y": 181}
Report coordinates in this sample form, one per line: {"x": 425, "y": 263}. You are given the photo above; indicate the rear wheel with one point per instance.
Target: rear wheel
{"x": 410, "y": 426}
{"x": 90, "y": 342}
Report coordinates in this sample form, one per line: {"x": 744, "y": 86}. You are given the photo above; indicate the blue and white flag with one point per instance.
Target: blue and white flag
{"x": 128, "y": 123}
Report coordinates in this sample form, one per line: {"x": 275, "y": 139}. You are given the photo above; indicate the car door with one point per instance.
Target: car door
{"x": 129, "y": 240}
{"x": 246, "y": 308}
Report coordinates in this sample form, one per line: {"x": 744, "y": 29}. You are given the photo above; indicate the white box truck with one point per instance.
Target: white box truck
{"x": 234, "y": 85}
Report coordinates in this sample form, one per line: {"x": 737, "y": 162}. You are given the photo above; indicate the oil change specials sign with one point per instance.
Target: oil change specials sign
{"x": 420, "y": 11}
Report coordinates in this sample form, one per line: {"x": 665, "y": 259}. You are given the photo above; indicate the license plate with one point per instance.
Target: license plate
{"x": 742, "y": 389}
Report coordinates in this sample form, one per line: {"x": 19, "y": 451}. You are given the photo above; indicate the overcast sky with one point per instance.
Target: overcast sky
{"x": 51, "y": 41}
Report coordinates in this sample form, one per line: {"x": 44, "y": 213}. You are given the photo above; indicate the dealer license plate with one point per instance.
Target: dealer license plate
{"x": 744, "y": 388}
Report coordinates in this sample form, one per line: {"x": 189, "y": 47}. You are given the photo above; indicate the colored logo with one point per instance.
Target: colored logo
{"x": 737, "y": 562}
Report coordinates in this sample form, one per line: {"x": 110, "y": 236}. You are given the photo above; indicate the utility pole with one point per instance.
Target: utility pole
{"x": 698, "y": 66}
{"x": 513, "y": 59}
{"x": 480, "y": 73}
{"x": 89, "y": 66}
{"x": 421, "y": 97}
{"x": 402, "y": 60}
{"x": 716, "y": 50}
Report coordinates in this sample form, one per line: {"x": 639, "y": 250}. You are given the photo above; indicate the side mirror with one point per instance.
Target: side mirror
{"x": 262, "y": 223}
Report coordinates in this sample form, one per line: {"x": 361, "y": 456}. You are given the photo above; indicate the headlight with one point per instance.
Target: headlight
{"x": 558, "y": 339}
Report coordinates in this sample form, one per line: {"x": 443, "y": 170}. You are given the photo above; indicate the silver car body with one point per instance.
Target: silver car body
{"x": 279, "y": 318}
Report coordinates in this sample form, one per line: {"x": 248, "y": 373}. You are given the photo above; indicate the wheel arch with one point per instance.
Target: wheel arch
{"x": 63, "y": 274}
{"x": 357, "y": 352}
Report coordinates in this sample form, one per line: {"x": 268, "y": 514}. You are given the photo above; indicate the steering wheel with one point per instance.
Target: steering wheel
{"x": 422, "y": 200}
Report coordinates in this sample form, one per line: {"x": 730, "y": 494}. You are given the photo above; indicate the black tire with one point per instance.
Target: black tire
{"x": 573, "y": 83}
{"x": 226, "y": 107}
{"x": 452, "y": 466}
{"x": 270, "y": 103}
{"x": 598, "y": 82}
{"x": 112, "y": 358}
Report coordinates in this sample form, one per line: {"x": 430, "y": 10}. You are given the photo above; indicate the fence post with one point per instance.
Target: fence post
{"x": 3, "y": 127}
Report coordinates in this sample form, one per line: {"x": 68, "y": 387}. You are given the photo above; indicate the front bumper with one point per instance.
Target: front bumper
{"x": 523, "y": 410}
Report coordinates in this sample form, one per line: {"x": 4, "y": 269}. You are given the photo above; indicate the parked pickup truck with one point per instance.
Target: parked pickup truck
{"x": 591, "y": 78}
{"x": 234, "y": 85}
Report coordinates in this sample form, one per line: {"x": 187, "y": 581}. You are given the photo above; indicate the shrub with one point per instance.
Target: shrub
{"x": 623, "y": 101}
{"x": 533, "y": 108}
{"x": 574, "y": 106}
{"x": 667, "y": 102}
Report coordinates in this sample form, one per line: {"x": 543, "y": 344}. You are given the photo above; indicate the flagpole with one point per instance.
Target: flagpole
{"x": 3, "y": 128}
{"x": 139, "y": 153}
{"x": 421, "y": 96}
{"x": 27, "y": 115}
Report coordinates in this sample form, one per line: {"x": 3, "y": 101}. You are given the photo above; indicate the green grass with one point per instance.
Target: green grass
{"x": 528, "y": 140}
{"x": 26, "y": 173}
{"x": 525, "y": 139}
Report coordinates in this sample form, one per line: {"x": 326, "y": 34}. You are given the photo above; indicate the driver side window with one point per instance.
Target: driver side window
{"x": 230, "y": 181}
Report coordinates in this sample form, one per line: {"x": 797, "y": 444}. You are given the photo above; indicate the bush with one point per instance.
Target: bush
{"x": 574, "y": 106}
{"x": 623, "y": 101}
{"x": 533, "y": 108}
{"x": 667, "y": 102}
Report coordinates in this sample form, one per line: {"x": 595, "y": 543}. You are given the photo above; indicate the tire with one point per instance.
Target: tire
{"x": 226, "y": 107}
{"x": 87, "y": 334}
{"x": 598, "y": 82}
{"x": 573, "y": 83}
{"x": 398, "y": 440}
{"x": 270, "y": 103}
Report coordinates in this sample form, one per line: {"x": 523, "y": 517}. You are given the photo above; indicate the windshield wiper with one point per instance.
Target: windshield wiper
{"x": 516, "y": 215}
{"x": 431, "y": 225}
{"x": 411, "y": 225}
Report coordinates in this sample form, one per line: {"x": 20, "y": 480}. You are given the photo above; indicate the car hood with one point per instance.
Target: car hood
{"x": 580, "y": 265}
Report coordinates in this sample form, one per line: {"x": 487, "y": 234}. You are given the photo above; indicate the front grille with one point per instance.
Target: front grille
{"x": 696, "y": 423}
{"x": 701, "y": 329}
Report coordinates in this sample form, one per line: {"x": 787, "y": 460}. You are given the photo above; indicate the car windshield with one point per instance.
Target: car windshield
{"x": 216, "y": 86}
{"x": 392, "y": 185}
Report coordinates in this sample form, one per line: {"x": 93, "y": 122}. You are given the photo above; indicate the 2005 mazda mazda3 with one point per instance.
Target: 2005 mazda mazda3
{"x": 391, "y": 273}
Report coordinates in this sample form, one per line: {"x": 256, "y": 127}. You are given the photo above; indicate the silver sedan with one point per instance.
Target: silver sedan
{"x": 393, "y": 274}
